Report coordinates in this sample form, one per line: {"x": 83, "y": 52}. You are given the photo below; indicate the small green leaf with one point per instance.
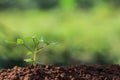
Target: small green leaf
{"x": 53, "y": 43}
{"x": 40, "y": 63}
{"x": 34, "y": 37}
{"x": 46, "y": 42}
{"x": 41, "y": 40}
{"x": 19, "y": 41}
{"x": 10, "y": 42}
{"x": 29, "y": 53}
{"x": 29, "y": 60}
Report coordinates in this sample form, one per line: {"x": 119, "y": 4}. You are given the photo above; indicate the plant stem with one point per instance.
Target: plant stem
{"x": 34, "y": 58}
{"x": 27, "y": 47}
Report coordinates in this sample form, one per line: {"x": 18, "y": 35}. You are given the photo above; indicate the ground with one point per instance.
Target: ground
{"x": 73, "y": 72}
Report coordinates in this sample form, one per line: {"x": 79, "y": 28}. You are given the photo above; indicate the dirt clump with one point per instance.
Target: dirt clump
{"x": 74, "y": 72}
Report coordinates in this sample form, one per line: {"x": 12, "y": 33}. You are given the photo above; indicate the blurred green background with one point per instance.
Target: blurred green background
{"x": 87, "y": 31}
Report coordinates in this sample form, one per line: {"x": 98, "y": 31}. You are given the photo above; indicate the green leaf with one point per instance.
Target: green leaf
{"x": 33, "y": 36}
{"x": 19, "y": 41}
{"x": 10, "y": 42}
{"x": 29, "y": 53}
{"x": 40, "y": 63}
{"x": 46, "y": 42}
{"x": 29, "y": 60}
{"x": 51, "y": 43}
{"x": 41, "y": 40}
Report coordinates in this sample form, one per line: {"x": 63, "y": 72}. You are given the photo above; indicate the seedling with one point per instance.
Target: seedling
{"x": 39, "y": 44}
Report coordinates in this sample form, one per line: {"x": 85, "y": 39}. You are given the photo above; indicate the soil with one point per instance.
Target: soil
{"x": 74, "y": 72}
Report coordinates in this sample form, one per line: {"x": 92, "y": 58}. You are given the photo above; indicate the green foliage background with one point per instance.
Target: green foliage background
{"x": 87, "y": 31}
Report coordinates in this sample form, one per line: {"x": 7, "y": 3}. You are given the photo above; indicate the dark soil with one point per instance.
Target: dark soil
{"x": 49, "y": 72}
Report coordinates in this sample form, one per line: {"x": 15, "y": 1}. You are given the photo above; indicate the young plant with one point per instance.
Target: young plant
{"x": 38, "y": 46}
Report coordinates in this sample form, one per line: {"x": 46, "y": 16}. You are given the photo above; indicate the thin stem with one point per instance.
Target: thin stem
{"x": 34, "y": 57}
{"x": 27, "y": 47}
{"x": 35, "y": 44}
{"x": 39, "y": 49}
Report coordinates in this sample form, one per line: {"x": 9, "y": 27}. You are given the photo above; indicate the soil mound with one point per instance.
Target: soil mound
{"x": 74, "y": 72}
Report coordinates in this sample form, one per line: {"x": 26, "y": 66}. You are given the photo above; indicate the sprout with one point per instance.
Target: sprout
{"x": 38, "y": 46}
